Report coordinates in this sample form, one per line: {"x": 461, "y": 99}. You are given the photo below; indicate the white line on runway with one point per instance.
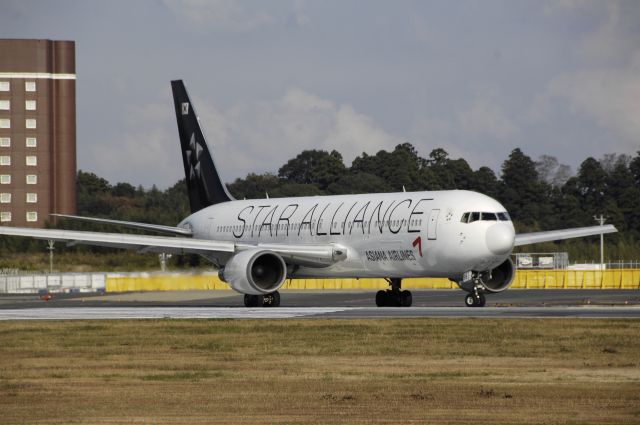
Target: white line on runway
{"x": 114, "y": 313}
{"x": 95, "y": 313}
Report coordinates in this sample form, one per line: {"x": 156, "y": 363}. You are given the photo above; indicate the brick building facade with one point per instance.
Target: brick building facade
{"x": 37, "y": 131}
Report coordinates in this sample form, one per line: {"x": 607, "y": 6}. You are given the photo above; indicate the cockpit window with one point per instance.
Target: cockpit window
{"x": 488, "y": 217}
{"x": 470, "y": 217}
{"x": 504, "y": 216}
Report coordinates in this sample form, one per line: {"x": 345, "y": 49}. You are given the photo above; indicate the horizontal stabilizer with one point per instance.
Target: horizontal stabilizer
{"x": 556, "y": 235}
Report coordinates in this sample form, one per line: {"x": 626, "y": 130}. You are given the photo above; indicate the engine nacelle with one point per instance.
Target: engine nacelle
{"x": 255, "y": 272}
{"x": 500, "y": 278}
{"x": 494, "y": 280}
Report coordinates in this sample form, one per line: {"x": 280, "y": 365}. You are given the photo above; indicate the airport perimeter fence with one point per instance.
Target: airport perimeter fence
{"x": 134, "y": 282}
{"x": 57, "y": 282}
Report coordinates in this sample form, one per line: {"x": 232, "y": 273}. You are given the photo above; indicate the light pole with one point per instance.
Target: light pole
{"x": 601, "y": 220}
{"x": 51, "y": 248}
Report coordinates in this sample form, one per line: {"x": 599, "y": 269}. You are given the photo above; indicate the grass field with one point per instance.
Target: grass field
{"x": 440, "y": 371}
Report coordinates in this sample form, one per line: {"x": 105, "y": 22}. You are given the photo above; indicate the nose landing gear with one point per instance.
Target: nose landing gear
{"x": 395, "y": 296}
{"x": 475, "y": 300}
{"x": 476, "y": 297}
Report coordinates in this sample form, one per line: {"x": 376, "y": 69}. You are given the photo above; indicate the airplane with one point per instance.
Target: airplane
{"x": 256, "y": 244}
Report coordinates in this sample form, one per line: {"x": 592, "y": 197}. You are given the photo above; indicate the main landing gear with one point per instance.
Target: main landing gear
{"x": 267, "y": 300}
{"x": 394, "y": 297}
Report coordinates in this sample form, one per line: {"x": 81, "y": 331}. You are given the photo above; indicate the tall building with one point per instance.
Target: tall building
{"x": 37, "y": 131}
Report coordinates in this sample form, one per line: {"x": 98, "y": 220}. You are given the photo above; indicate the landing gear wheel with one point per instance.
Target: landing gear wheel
{"x": 475, "y": 300}
{"x": 272, "y": 299}
{"x": 253, "y": 300}
{"x": 406, "y": 299}
{"x": 395, "y": 296}
{"x": 470, "y": 300}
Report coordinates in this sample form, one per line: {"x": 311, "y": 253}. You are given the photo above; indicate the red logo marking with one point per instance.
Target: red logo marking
{"x": 418, "y": 242}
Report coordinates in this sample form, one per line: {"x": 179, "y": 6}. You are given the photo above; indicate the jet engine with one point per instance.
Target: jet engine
{"x": 255, "y": 272}
{"x": 494, "y": 280}
{"x": 500, "y": 278}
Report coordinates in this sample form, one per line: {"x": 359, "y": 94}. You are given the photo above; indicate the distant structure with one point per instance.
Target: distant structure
{"x": 37, "y": 131}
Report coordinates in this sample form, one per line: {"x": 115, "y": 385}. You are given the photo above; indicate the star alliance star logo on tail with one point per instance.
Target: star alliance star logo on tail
{"x": 194, "y": 152}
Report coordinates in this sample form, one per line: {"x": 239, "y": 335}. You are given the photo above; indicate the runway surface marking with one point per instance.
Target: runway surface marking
{"x": 88, "y": 313}
{"x": 97, "y": 313}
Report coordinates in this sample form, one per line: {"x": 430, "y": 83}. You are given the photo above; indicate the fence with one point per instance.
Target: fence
{"x": 64, "y": 282}
{"x": 525, "y": 279}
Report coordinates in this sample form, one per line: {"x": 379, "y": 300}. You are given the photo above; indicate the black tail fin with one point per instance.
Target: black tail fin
{"x": 203, "y": 181}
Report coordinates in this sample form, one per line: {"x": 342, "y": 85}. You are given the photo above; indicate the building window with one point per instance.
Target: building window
{"x": 29, "y": 86}
{"x": 4, "y": 86}
{"x": 31, "y": 160}
{"x": 31, "y": 179}
{"x": 5, "y": 198}
{"x": 30, "y": 123}
{"x": 32, "y": 142}
{"x": 5, "y": 105}
{"x": 30, "y": 105}
{"x": 5, "y": 178}
{"x": 32, "y": 216}
{"x": 32, "y": 198}
{"x": 5, "y": 160}
{"x": 5, "y": 216}
{"x": 5, "y": 142}
{"x": 5, "y": 123}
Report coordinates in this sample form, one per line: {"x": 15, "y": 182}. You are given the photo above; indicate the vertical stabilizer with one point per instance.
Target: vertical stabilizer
{"x": 203, "y": 180}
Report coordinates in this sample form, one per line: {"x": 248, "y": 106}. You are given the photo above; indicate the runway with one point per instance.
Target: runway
{"x": 321, "y": 304}
{"x": 118, "y": 313}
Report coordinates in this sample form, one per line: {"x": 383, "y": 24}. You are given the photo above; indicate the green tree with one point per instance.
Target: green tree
{"x": 523, "y": 194}
{"x": 314, "y": 167}
{"x": 254, "y": 186}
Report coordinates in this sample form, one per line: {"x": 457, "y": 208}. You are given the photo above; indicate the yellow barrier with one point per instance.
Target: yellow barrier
{"x": 525, "y": 279}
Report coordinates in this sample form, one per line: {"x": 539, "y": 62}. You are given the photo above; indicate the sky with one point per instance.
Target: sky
{"x": 270, "y": 79}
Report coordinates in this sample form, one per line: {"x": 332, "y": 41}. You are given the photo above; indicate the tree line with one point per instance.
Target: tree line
{"x": 539, "y": 194}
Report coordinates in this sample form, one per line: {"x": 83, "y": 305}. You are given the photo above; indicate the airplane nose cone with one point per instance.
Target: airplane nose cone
{"x": 500, "y": 238}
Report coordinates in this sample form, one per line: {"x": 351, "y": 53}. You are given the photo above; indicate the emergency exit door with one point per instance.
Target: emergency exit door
{"x": 432, "y": 228}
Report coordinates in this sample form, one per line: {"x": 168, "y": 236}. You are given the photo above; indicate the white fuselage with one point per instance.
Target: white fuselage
{"x": 412, "y": 234}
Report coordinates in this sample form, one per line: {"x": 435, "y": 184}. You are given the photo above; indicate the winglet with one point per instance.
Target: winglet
{"x": 204, "y": 185}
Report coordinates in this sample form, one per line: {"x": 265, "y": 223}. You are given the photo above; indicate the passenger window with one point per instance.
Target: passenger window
{"x": 475, "y": 216}
{"x": 489, "y": 216}
{"x": 465, "y": 218}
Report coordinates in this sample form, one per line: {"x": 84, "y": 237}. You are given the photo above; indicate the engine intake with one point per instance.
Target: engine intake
{"x": 494, "y": 280}
{"x": 500, "y": 278}
{"x": 255, "y": 272}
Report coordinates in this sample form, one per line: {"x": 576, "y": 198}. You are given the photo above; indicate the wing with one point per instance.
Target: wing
{"x": 555, "y": 235}
{"x": 145, "y": 226}
{"x": 312, "y": 255}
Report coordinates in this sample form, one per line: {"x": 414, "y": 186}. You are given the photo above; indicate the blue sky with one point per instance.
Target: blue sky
{"x": 271, "y": 78}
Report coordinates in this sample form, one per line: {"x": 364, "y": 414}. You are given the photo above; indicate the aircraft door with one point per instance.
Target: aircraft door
{"x": 432, "y": 228}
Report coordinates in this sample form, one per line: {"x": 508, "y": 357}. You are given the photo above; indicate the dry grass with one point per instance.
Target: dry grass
{"x": 321, "y": 371}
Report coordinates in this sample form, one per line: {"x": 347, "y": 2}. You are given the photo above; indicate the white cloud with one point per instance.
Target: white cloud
{"x": 140, "y": 155}
{"x": 486, "y": 119}
{"x": 260, "y": 136}
{"x": 225, "y": 15}
{"x": 475, "y": 133}
{"x": 609, "y": 96}
{"x": 606, "y": 89}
